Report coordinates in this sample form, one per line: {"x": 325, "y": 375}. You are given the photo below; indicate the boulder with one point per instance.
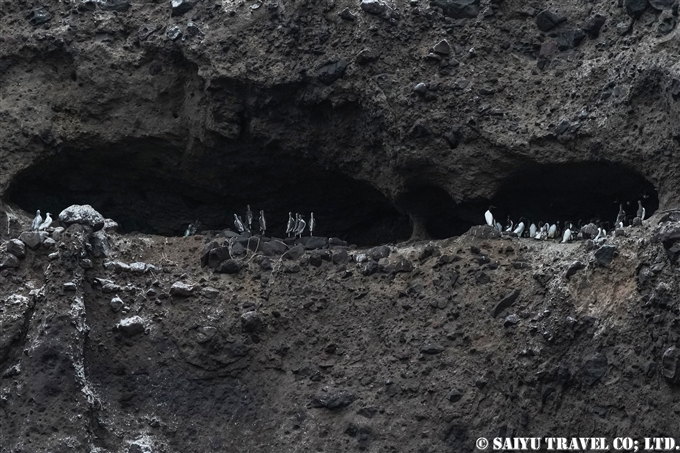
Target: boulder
{"x": 130, "y": 326}
{"x": 274, "y": 248}
{"x": 376, "y": 253}
{"x": 16, "y": 248}
{"x": 180, "y": 7}
{"x": 228, "y": 267}
{"x": 182, "y": 289}
{"x": 594, "y": 368}
{"x": 332, "y": 71}
{"x": 31, "y": 238}
{"x": 39, "y": 16}
{"x": 547, "y": 20}
{"x": 594, "y": 24}
{"x": 458, "y": 9}
{"x": 635, "y": 8}
{"x": 605, "y": 254}
{"x": 83, "y": 215}
{"x": 8, "y": 261}
{"x": 506, "y": 302}
{"x": 251, "y": 321}
{"x": 376, "y": 7}
{"x": 670, "y": 370}
{"x": 333, "y": 400}
{"x": 569, "y": 39}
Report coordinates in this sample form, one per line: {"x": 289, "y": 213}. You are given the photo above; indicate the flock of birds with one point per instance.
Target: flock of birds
{"x": 595, "y": 230}
{"x": 296, "y": 226}
{"x": 39, "y": 224}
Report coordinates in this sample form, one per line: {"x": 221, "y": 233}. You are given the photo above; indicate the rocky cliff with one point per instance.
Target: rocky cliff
{"x": 390, "y": 121}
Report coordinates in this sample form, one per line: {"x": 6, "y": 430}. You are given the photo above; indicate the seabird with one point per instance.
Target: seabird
{"x": 552, "y": 230}
{"x": 566, "y": 237}
{"x": 510, "y": 226}
{"x": 249, "y": 218}
{"x": 641, "y": 211}
{"x": 312, "y": 224}
{"x": 297, "y": 224}
{"x": 520, "y": 227}
{"x": 301, "y": 226}
{"x": 188, "y": 231}
{"x": 289, "y": 228}
{"x": 620, "y": 217}
{"x": 262, "y": 222}
{"x": 46, "y": 224}
{"x": 238, "y": 223}
{"x": 36, "y": 221}
{"x": 532, "y": 230}
{"x": 499, "y": 227}
{"x": 489, "y": 217}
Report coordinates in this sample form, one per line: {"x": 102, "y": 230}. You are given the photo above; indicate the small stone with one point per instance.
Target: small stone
{"x": 573, "y": 268}
{"x": 251, "y": 321}
{"x": 110, "y": 226}
{"x": 367, "y": 56}
{"x": 291, "y": 268}
{"x": 332, "y": 71}
{"x": 570, "y": 39}
{"x": 605, "y": 254}
{"x": 31, "y": 238}
{"x": 173, "y": 32}
{"x": 39, "y": 16}
{"x": 274, "y": 248}
{"x": 340, "y": 257}
{"x": 635, "y": 8}
{"x": 511, "y": 320}
{"x": 662, "y": 5}
{"x": 333, "y": 401}
{"x": 83, "y": 215}
{"x": 210, "y": 292}
{"x": 182, "y": 289}
{"x": 17, "y": 248}
{"x": 315, "y": 243}
{"x": 369, "y": 268}
{"x": 670, "y": 363}
{"x": 458, "y": 9}
{"x": 420, "y": 88}
{"x": 100, "y": 244}
{"x": 667, "y": 23}
{"x": 130, "y": 326}
{"x": 403, "y": 265}
{"x": 454, "y": 395}
{"x": 294, "y": 253}
{"x": 432, "y": 348}
{"x": 228, "y": 267}
{"x": 140, "y": 268}
{"x": 116, "y": 304}
{"x": 594, "y": 24}
{"x": 482, "y": 278}
{"x": 376, "y": 7}
{"x": 594, "y": 368}
{"x": 346, "y": 14}
{"x": 442, "y": 48}
{"x": 376, "y": 253}
{"x": 114, "y": 5}
{"x": 547, "y": 20}
{"x": 336, "y": 242}
{"x": 70, "y": 286}
{"x": 193, "y": 30}
{"x": 624, "y": 27}
{"x": 180, "y": 7}
{"x": 506, "y": 302}
{"x": 57, "y": 233}
{"x": 49, "y": 243}
{"x": 8, "y": 261}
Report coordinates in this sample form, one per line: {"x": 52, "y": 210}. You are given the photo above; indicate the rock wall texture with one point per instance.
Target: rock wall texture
{"x": 389, "y": 120}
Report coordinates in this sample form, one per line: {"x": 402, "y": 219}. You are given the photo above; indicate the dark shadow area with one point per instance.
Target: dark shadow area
{"x": 152, "y": 188}
{"x": 575, "y": 191}
{"x": 436, "y": 209}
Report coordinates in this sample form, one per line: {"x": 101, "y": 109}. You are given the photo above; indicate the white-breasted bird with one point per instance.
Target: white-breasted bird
{"x": 249, "y": 218}
{"x": 621, "y": 216}
{"x": 46, "y": 223}
{"x": 532, "y": 230}
{"x": 238, "y": 223}
{"x": 312, "y": 224}
{"x": 291, "y": 224}
{"x": 488, "y": 216}
{"x": 510, "y": 226}
{"x": 301, "y": 226}
{"x": 566, "y": 237}
{"x": 641, "y": 211}
{"x": 552, "y": 230}
{"x": 37, "y": 221}
{"x": 296, "y": 226}
{"x": 520, "y": 227}
{"x": 262, "y": 222}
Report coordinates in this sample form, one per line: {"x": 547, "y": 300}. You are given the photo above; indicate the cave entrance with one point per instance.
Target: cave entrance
{"x": 576, "y": 192}
{"x": 152, "y": 187}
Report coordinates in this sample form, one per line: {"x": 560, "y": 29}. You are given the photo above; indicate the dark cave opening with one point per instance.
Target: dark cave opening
{"x": 150, "y": 187}
{"x": 578, "y": 192}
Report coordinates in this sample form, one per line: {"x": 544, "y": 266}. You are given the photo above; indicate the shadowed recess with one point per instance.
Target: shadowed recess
{"x": 581, "y": 191}
{"x": 151, "y": 187}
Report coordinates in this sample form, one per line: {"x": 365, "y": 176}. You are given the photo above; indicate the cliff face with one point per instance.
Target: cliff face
{"x": 388, "y": 121}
